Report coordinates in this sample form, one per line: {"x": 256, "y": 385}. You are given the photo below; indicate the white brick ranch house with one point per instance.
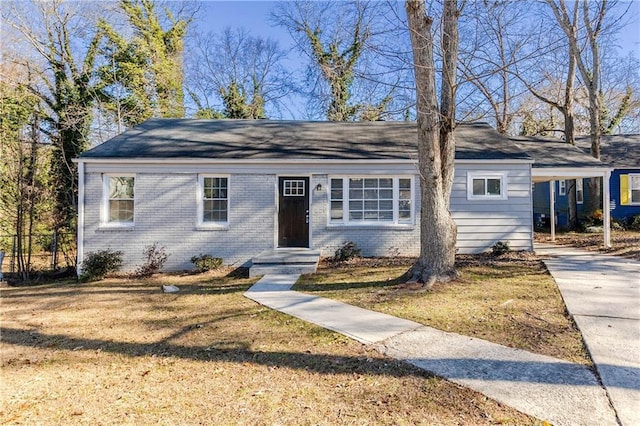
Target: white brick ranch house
{"x": 235, "y": 188}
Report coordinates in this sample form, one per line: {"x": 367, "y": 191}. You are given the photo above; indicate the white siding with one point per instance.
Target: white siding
{"x": 482, "y": 223}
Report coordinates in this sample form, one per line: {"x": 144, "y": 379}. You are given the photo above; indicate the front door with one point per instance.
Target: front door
{"x": 293, "y": 212}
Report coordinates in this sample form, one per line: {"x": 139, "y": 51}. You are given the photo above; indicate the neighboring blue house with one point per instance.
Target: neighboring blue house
{"x": 622, "y": 152}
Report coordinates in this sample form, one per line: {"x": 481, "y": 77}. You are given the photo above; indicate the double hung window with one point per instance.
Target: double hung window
{"x": 213, "y": 200}
{"x": 118, "y": 199}
{"x": 634, "y": 188}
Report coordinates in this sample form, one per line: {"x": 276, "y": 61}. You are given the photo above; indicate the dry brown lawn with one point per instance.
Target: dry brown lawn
{"x": 510, "y": 300}
{"x": 121, "y": 352}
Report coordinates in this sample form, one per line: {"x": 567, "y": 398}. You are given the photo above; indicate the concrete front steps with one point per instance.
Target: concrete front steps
{"x": 285, "y": 261}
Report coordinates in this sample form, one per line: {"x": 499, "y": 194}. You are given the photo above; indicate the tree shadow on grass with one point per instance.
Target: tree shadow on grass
{"x": 225, "y": 351}
{"x": 239, "y": 352}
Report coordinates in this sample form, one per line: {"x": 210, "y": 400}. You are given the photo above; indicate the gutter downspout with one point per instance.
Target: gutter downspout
{"x": 80, "y": 234}
{"x": 606, "y": 209}
{"x": 552, "y": 209}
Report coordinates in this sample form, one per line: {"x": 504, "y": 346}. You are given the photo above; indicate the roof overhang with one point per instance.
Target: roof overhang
{"x": 546, "y": 174}
{"x": 273, "y": 161}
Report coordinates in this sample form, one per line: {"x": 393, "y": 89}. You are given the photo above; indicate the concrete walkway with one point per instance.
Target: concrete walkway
{"x": 602, "y": 293}
{"x": 550, "y": 389}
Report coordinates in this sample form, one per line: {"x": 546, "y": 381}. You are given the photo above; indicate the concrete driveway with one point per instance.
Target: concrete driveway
{"x": 602, "y": 294}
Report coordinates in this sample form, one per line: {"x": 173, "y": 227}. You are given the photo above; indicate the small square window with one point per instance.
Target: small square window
{"x": 489, "y": 185}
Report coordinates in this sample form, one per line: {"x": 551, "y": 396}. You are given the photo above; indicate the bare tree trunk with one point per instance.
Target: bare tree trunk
{"x": 436, "y": 144}
{"x": 590, "y": 75}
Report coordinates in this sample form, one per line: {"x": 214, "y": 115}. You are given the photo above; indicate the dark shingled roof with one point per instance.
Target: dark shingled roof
{"x": 618, "y": 151}
{"x": 555, "y": 153}
{"x": 292, "y": 140}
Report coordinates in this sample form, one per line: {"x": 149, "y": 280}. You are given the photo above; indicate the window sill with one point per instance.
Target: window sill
{"x": 368, "y": 226}
{"x": 116, "y": 227}
{"x": 488, "y": 198}
{"x": 212, "y": 227}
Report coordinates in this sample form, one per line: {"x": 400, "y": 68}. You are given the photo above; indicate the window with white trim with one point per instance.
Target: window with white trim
{"x": 579, "y": 191}
{"x": 486, "y": 185}
{"x": 634, "y": 188}
{"x": 118, "y": 199}
{"x": 562, "y": 187}
{"x": 371, "y": 200}
{"x": 213, "y": 200}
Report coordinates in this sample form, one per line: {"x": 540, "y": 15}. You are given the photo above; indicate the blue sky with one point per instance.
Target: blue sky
{"x": 254, "y": 15}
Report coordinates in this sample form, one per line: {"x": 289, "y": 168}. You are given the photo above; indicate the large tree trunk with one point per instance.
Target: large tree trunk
{"x": 436, "y": 144}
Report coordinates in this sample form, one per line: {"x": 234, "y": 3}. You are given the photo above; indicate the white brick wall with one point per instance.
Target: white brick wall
{"x": 166, "y": 212}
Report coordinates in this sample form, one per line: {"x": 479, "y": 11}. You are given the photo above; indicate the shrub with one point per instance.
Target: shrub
{"x": 97, "y": 265}
{"x": 597, "y": 216}
{"x": 206, "y": 262}
{"x": 155, "y": 259}
{"x": 634, "y": 223}
{"x": 499, "y": 248}
{"x": 349, "y": 250}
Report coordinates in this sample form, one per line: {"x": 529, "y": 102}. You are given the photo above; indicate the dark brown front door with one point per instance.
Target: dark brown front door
{"x": 293, "y": 212}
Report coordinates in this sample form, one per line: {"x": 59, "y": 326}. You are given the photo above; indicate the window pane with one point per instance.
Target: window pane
{"x": 478, "y": 187}
{"x": 336, "y": 184}
{"x": 336, "y": 210}
{"x": 386, "y": 215}
{"x": 355, "y": 183}
{"x": 386, "y": 194}
{"x": 355, "y": 215}
{"x": 493, "y": 186}
{"x": 386, "y": 205}
{"x": 370, "y": 215}
{"x": 356, "y": 194}
{"x": 121, "y": 211}
{"x": 371, "y": 183}
{"x": 387, "y": 183}
{"x": 635, "y": 195}
{"x": 635, "y": 182}
{"x": 370, "y": 194}
{"x": 355, "y": 205}
{"x": 405, "y": 194}
{"x": 371, "y": 205}
{"x": 405, "y": 183}
{"x": 121, "y": 187}
{"x": 336, "y": 194}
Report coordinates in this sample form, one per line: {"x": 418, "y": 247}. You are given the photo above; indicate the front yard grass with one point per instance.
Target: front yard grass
{"x": 121, "y": 352}
{"x": 511, "y": 300}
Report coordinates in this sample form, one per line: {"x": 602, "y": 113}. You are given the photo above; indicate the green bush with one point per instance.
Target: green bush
{"x": 499, "y": 248}
{"x": 349, "y": 250}
{"x": 206, "y": 262}
{"x": 634, "y": 223}
{"x": 155, "y": 259}
{"x": 97, "y": 265}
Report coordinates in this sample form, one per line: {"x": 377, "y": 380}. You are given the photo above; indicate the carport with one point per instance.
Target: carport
{"x": 558, "y": 161}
